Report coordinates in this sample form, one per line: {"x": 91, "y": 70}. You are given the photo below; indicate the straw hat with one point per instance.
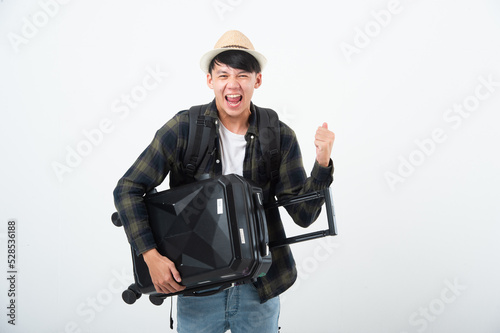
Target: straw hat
{"x": 231, "y": 40}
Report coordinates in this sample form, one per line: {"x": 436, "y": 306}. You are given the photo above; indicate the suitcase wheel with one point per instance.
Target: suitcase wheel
{"x": 115, "y": 218}
{"x": 156, "y": 300}
{"x": 131, "y": 295}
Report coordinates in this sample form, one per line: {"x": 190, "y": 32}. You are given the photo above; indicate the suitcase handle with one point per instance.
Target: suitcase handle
{"x": 209, "y": 292}
{"x": 261, "y": 226}
{"x": 330, "y": 213}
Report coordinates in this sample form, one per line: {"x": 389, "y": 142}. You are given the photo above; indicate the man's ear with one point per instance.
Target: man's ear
{"x": 209, "y": 81}
{"x": 258, "y": 80}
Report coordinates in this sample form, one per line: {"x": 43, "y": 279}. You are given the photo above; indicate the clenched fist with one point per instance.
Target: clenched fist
{"x": 323, "y": 140}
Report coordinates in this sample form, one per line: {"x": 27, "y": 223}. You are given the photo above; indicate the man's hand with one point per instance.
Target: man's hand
{"x": 324, "y": 144}
{"x": 163, "y": 273}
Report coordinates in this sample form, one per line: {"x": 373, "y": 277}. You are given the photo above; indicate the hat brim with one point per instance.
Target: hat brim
{"x": 207, "y": 57}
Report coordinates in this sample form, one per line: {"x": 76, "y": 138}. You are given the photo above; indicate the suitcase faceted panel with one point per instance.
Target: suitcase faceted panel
{"x": 208, "y": 230}
{"x": 192, "y": 229}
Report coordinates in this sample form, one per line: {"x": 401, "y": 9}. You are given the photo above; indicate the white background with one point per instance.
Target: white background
{"x": 418, "y": 254}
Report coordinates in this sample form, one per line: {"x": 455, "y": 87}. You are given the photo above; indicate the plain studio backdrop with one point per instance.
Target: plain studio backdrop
{"x": 411, "y": 89}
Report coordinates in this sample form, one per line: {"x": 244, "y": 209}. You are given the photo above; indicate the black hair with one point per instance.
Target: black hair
{"x": 236, "y": 59}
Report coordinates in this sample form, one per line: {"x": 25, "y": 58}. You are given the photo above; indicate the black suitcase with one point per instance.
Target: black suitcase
{"x": 215, "y": 232}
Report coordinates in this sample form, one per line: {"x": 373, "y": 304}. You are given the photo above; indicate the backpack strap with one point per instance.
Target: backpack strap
{"x": 202, "y": 132}
{"x": 201, "y": 129}
{"x": 269, "y": 137}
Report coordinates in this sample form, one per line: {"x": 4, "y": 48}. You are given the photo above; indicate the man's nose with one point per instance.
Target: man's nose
{"x": 233, "y": 82}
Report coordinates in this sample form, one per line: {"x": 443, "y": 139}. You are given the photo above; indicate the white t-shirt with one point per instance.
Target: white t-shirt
{"x": 233, "y": 148}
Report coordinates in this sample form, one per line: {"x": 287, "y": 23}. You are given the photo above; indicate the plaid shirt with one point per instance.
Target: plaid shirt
{"x": 165, "y": 155}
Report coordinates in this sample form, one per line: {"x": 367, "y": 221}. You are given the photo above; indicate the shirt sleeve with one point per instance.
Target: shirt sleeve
{"x": 293, "y": 180}
{"x": 147, "y": 172}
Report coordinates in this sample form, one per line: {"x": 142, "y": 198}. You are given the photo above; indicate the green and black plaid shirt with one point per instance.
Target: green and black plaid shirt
{"x": 165, "y": 155}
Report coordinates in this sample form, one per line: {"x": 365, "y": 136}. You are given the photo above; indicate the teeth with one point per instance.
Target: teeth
{"x": 233, "y": 96}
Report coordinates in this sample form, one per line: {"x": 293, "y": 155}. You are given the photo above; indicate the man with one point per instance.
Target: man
{"x": 233, "y": 72}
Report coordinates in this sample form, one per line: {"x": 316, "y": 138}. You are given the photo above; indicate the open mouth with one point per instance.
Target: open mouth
{"x": 233, "y": 100}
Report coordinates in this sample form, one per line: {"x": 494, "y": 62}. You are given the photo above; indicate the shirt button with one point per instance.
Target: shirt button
{"x": 251, "y": 137}
{"x": 217, "y": 161}
{"x": 216, "y": 122}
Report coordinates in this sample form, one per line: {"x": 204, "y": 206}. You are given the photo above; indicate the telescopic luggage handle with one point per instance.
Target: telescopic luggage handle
{"x": 330, "y": 213}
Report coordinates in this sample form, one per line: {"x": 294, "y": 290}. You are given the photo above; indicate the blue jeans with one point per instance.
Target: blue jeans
{"x": 237, "y": 308}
